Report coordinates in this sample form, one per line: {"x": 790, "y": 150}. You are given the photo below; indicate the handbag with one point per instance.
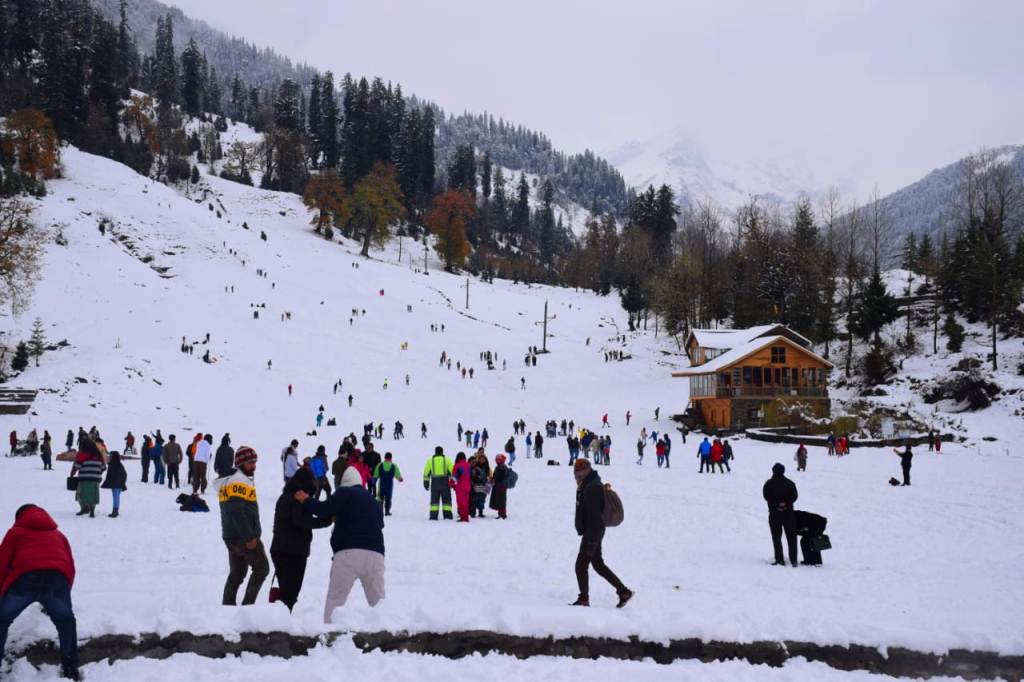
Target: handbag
{"x": 275, "y": 590}
{"x": 820, "y": 543}
{"x": 72, "y": 483}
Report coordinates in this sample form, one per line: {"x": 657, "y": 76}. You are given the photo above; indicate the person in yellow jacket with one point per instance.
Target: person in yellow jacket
{"x": 436, "y": 476}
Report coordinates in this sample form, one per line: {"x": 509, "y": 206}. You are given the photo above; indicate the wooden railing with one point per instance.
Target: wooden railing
{"x": 771, "y": 392}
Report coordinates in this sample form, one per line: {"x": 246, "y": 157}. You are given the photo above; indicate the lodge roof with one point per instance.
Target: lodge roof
{"x": 738, "y": 353}
{"x": 725, "y": 339}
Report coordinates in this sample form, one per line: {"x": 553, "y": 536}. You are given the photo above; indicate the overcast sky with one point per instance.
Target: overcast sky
{"x": 868, "y": 91}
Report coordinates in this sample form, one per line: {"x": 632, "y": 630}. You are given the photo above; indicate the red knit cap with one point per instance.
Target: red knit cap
{"x": 243, "y": 455}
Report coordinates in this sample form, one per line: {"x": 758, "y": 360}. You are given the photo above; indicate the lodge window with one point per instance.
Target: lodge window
{"x": 747, "y": 378}
{"x": 778, "y": 355}
{"x": 736, "y": 377}
{"x": 757, "y": 376}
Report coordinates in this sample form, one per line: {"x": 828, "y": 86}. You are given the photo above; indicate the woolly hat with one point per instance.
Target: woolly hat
{"x": 778, "y": 469}
{"x": 351, "y": 477}
{"x": 244, "y": 455}
{"x": 581, "y": 465}
{"x": 438, "y": 450}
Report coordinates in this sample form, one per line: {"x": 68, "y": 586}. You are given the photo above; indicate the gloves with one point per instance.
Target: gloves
{"x": 426, "y": 486}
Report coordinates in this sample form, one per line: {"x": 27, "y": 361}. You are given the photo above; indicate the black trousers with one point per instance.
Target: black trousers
{"x": 240, "y": 560}
{"x": 145, "y": 467}
{"x": 440, "y": 497}
{"x": 290, "y": 570}
{"x": 592, "y": 557}
{"x": 779, "y": 522}
{"x": 172, "y": 476}
{"x": 906, "y": 475}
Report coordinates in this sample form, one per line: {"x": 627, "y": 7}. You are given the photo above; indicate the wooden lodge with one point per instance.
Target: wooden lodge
{"x": 738, "y": 375}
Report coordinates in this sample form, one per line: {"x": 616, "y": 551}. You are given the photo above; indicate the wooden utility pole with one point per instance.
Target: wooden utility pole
{"x": 467, "y": 293}
{"x": 544, "y": 344}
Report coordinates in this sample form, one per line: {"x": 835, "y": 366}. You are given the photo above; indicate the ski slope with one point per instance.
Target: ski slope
{"x": 931, "y": 567}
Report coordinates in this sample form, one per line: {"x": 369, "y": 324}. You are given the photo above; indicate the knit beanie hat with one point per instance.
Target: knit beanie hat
{"x": 438, "y": 450}
{"x": 581, "y": 465}
{"x": 351, "y": 477}
{"x": 244, "y": 455}
{"x": 778, "y": 469}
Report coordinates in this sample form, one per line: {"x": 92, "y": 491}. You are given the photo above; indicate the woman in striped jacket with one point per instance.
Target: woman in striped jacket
{"x": 88, "y": 467}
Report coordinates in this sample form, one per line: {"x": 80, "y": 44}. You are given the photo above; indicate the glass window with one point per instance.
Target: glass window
{"x": 757, "y": 376}
{"x": 778, "y": 355}
{"x": 736, "y": 377}
{"x": 747, "y": 376}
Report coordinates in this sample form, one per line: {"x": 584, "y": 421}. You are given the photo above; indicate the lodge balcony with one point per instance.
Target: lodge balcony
{"x": 771, "y": 392}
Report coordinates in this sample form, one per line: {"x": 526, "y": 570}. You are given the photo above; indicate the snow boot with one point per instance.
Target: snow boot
{"x": 113, "y": 514}
{"x": 581, "y": 601}
{"x": 69, "y": 670}
{"x": 624, "y": 598}
{"x": 92, "y": 513}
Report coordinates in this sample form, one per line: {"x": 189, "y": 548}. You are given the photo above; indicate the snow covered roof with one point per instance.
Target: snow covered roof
{"x": 724, "y": 339}
{"x": 740, "y": 352}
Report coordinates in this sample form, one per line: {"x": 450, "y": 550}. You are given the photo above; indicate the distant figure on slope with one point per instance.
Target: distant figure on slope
{"x": 36, "y": 566}
{"x": 704, "y": 453}
{"x": 319, "y": 419}
{"x": 350, "y": 400}
{"x": 590, "y": 503}
{"x": 604, "y": 421}
{"x": 499, "y": 490}
{"x": 423, "y": 429}
{"x": 172, "y": 458}
{"x": 780, "y": 494}
{"x": 801, "y": 458}
{"x": 289, "y": 389}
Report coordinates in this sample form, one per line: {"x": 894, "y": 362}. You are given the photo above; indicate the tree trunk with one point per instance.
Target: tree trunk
{"x": 367, "y": 237}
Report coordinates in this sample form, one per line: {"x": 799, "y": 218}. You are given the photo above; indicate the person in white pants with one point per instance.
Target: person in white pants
{"x": 357, "y": 541}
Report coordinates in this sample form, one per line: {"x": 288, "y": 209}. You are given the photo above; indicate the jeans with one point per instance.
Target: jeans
{"x": 52, "y": 591}
{"x": 159, "y": 475}
{"x": 240, "y": 560}
{"x": 592, "y": 556}
{"x": 115, "y": 493}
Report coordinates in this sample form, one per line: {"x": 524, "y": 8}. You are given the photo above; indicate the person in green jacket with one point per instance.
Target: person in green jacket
{"x": 386, "y": 472}
{"x": 436, "y": 474}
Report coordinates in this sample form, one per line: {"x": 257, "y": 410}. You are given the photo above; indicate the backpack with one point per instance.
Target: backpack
{"x": 613, "y": 513}
{"x": 511, "y": 479}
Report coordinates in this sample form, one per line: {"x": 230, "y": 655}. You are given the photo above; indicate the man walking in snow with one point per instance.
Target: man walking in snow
{"x": 436, "y": 476}
{"x": 590, "y": 501}
{"x": 203, "y": 450}
{"x": 240, "y": 529}
{"x": 780, "y": 494}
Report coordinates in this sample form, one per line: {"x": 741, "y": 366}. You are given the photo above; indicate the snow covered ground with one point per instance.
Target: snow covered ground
{"x": 929, "y": 567}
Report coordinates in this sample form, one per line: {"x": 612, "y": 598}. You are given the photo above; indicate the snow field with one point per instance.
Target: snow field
{"x": 931, "y": 567}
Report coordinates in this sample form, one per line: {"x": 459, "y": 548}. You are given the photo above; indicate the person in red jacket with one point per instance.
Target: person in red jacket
{"x": 36, "y": 565}
{"x": 463, "y": 484}
{"x": 716, "y": 456}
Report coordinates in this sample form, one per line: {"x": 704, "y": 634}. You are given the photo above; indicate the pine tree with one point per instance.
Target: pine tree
{"x": 546, "y": 223}
{"x": 165, "y": 64}
{"x": 805, "y": 299}
{"x": 875, "y": 308}
{"x": 462, "y": 171}
{"x": 287, "y": 114}
{"x": 238, "y": 97}
{"x": 908, "y": 258}
{"x": 519, "y": 224}
{"x": 313, "y": 122}
{"x": 485, "y": 176}
{"x": 212, "y": 97}
{"x": 37, "y": 343}
{"x": 954, "y": 332}
{"x": 127, "y": 54}
{"x": 20, "y": 360}
{"x": 327, "y": 134}
{"x": 192, "y": 78}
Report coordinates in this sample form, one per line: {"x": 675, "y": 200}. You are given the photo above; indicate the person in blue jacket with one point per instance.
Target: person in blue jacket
{"x": 704, "y": 452}
{"x": 318, "y": 465}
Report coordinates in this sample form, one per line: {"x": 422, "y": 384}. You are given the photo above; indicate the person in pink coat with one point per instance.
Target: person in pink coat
{"x": 463, "y": 483}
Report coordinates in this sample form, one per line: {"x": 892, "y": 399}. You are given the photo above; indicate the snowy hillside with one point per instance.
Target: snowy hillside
{"x": 694, "y": 548}
{"x": 696, "y": 174}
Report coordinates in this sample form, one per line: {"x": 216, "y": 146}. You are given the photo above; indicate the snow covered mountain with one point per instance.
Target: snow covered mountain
{"x": 696, "y": 173}
{"x": 924, "y": 206}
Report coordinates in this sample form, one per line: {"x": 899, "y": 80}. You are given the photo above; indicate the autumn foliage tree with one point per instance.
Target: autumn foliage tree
{"x": 325, "y": 194}
{"x": 30, "y": 138}
{"x": 20, "y": 251}
{"x": 447, "y": 220}
{"x": 136, "y": 118}
{"x": 376, "y": 203}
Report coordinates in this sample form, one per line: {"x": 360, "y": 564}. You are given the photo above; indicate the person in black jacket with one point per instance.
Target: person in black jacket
{"x": 293, "y": 534}
{"x": 808, "y": 527}
{"x": 116, "y": 481}
{"x": 371, "y": 458}
{"x": 780, "y": 494}
{"x": 906, "y": 457}
{"x": 590, "y": 527}
{"x": 224, "y": 459}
